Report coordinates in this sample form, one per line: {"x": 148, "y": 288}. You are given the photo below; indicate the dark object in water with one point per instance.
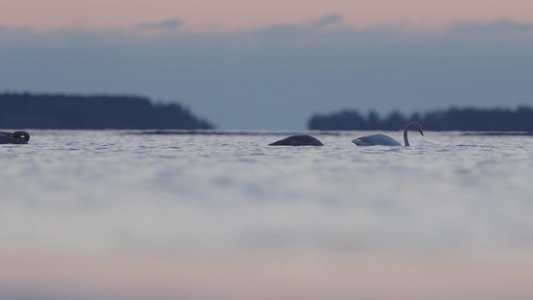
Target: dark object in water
{"x": 17, "y": 137}
{"x": 298, "y": 140}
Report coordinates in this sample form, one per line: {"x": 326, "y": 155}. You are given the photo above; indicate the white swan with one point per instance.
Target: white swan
{"x": 381, "y": 139}
{"x": 17, "y": 137}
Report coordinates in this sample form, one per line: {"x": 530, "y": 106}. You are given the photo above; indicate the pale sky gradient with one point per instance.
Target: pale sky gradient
{"x": 209, "y": 15}
{"x": 273, "y": 64}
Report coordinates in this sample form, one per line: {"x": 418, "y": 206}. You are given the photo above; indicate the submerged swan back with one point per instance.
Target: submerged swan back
{"x": 298, "y": 140}
{"x": 384, "y": 140}
{"x": 17, "y": 137}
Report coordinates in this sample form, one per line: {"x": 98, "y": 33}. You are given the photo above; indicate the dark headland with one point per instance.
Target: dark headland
{"x": 44, "y": 111}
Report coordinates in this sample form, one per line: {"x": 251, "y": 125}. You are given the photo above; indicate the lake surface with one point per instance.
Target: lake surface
{"x": 124, "y": 215}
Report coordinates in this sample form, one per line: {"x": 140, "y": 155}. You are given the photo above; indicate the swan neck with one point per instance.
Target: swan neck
{"x": 405, "y": 139}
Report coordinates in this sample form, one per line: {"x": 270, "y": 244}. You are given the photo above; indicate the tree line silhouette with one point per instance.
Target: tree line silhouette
{"x": 468, "y": 119}
{"x": 23, "y": 110}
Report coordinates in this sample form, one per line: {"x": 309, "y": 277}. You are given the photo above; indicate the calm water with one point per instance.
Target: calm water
{"x": 118, "y": 215}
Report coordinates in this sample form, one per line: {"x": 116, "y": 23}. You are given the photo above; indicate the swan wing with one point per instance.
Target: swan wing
{"x": 376, "y": 139}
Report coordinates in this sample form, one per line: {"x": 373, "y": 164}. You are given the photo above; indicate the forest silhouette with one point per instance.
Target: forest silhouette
{"x": 452, "y": 119}
{"x": 59, "y": 111}
{"x": 42, "y": 111}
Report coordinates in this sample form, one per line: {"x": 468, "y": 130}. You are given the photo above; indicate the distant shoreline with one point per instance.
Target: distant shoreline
{"x": 57, "y": 111}
{"x": 469, "y": 119}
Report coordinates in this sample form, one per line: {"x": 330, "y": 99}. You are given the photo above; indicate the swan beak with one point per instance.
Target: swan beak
{"x": 420, "y": 130}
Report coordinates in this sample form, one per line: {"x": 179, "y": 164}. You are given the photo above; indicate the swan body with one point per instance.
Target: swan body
{"x": 376, "y": 139}
{"x": 383, "y": 140}
{"x": 298, "y": 140}
{"x": 17, "y": 137}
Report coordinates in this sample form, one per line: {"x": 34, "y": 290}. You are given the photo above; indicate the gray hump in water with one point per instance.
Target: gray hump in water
{"x": 298, "y": 140}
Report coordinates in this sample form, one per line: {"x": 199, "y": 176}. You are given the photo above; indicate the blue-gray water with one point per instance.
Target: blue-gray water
{"x": 119, "y": 215}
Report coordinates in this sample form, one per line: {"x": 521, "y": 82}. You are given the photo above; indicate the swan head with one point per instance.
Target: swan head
{"x": 415, "y": 125}
{"x": 21, "y": 135}
{"x": 419, "y": 128}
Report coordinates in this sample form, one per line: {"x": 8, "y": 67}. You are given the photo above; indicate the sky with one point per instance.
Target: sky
{"x": 271, "y": 65}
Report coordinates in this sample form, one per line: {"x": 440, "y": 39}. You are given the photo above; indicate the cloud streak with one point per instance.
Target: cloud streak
{"x": 328, "y": 20}
{"x": 170, "y": 24}
{"x": 504, "y": 28}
